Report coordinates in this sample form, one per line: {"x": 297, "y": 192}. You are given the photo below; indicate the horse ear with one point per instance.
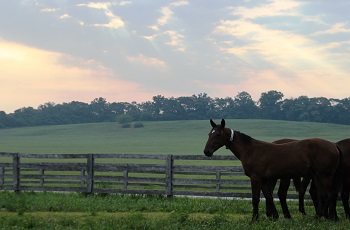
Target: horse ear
{"x": 222, "y": 123}
{"x": 212, "y": 123}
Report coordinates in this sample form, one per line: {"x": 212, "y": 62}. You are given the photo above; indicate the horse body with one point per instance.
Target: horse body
{"x": 300, "y": 185}
{"x": 266, "y": 162}
{"x": 344, "y": 146}
{"x": 263, "y": 159}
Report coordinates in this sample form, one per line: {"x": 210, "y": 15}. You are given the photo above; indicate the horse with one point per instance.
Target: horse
{"x": 264, "y": 162}
{"x": 344, "y": 146}
{"x": 300, "y": 185}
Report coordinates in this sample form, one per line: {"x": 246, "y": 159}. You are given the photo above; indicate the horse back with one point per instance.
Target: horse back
{"x": 324, "y": 154}
{"x": 319, "y": 154}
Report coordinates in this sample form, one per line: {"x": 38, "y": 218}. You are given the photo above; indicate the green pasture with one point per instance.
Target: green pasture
{"x": 77, "y": 211}
{"x": 160, "y": 137}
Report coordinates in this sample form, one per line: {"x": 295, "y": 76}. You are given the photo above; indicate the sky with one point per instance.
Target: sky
{"x": 73, "y": 50}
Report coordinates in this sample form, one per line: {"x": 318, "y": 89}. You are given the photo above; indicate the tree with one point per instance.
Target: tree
{"x": 270, "y": 104}
{"x": 202, "y": 106}
{"x": 244, "y": 106}
{"x": 124, "y": 119}
{"x": 26, "y": 116}
{"x": 132, "y": 109}
{"x": 223, "y": 108}
{"x": 100, "y": 109}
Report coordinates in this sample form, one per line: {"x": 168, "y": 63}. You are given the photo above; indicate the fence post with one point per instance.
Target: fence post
{"x": 42, "y": 172}
{"x": 82, "y": 177}
{"x": 2, "y": 176}
{"x": 169, "y": 176}
{"x": 126, "y": 175}
{"x": 90, "y": 172}
{"x": 218, "y": 177}
{"x": 16, "y": 171}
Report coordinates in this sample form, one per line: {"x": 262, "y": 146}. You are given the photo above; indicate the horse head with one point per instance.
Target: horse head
{"x": 217, "y": 138}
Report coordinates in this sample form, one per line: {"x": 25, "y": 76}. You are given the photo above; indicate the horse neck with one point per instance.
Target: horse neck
{"x": 241, "y": 144}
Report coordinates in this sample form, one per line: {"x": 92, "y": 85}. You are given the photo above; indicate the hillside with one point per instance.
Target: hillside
{"x": 162, "y": 137}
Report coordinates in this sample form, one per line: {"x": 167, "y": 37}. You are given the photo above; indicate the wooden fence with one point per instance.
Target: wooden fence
{"x": 169, "y": 175}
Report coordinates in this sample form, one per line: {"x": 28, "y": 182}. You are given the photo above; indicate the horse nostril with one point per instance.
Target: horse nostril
{"x": 208, "y": 153}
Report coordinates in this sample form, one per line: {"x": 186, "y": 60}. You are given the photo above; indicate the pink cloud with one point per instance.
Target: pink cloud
{"x": 30, "y": 77}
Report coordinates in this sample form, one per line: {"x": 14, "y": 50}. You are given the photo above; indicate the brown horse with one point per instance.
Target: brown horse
{"x": 265, "y": 162}
{"x": 344, "y": 146}
{"x": 300, "y": 185}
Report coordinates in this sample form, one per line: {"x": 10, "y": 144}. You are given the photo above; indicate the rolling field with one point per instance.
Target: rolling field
{"x": 163, "y": 137}
{"x": 76, "y": 211}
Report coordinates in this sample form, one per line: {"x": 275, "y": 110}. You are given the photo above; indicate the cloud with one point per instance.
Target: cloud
{"x": 309, "y": 83}
{"x": 115, "y": 22}
{"x": 64, "y": 16}
{"x": 148, "y": 61}
{"x": 335, "y": 29}
{"x": 172, "y": 48}
{"x": 48, "y": 10}
{"x": 38, "y": 77}
{"x": 279, "y": 47}
{"x": 175, "y": 40}
{"x": 172, "y": 37}
{"x": 264, "y": 46}
{"x": 179, "y": 3}
{"x": 272, "y": 9}
{"x": 166, "y": 15}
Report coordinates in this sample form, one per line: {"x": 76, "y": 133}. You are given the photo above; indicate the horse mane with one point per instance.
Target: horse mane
{"x": 245, "y": 138}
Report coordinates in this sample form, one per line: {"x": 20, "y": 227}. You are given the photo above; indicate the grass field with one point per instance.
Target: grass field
{"x": 168, "y": 137}
{"x": 75, "y": 211}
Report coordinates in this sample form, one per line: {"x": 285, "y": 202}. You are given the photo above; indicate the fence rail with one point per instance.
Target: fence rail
{"x": 169, "y": 175}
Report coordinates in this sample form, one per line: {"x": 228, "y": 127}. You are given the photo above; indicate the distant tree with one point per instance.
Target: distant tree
{"x": 26, "y": 116}
{"x": 320, "y": 109}
{"x": 201, "y": 106}
{"x": 100, "y": 109}
{"x": 124, "y": 119}
{"x": 3, "y": 119}
{"x": 244, "y": 106}
{"x": 133, "y": 109}
{"x": 341, "y": 111}
{"x": 270, "y": 104}
{"x": 147, "y": 111}
{"x": 117, "y": 108}
{"x": 223, "y": 108}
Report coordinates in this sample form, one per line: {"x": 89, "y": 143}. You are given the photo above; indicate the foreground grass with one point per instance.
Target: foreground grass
{"x": 77, "y": 211}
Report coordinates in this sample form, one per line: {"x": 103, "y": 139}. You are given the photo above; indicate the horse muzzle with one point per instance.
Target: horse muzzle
{"x": 208, "y": 152}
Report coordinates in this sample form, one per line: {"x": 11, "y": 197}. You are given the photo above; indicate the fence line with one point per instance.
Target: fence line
{"x": 170, "y": 175}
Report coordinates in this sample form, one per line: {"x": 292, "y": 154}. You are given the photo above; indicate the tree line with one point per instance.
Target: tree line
{"x": 271, "y": 105}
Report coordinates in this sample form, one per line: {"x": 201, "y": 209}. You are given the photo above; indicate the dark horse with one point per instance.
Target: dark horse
{"x": 344, "y": 147}
{"x": 265, "y": 162}
{"x": 300, "y": 185}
